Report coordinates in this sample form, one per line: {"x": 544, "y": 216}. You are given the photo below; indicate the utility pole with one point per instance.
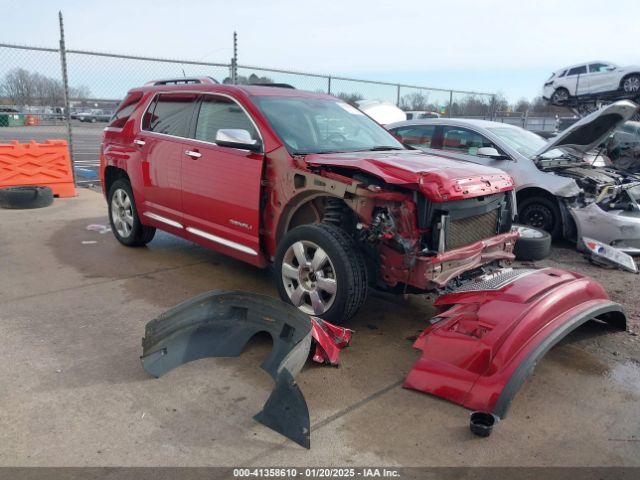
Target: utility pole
{"x": 65, "y": 85}
{"x": 234, "y": 60}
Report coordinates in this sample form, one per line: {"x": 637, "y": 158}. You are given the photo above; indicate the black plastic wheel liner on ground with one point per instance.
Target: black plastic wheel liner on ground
{"x": 219, "y": 324}
{"x": 25, "y": 197}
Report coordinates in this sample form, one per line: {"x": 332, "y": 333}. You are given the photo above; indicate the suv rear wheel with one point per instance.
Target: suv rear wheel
{"x": 320, "y": 270}
{"x": 123, "y": 216}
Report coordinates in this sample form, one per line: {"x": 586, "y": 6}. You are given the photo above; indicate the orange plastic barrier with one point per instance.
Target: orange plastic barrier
{"x": 31, "y": 120}
{"x": 46, "y": 164}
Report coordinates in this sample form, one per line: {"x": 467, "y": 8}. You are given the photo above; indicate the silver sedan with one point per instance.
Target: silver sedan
{"x": 557, "y": 189}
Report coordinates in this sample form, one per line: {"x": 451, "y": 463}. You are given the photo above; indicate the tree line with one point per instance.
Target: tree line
{"x": 22, "y": 87}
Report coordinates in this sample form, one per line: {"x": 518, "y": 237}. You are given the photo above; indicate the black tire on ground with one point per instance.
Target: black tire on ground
{"x": 560, "y": 96}
{"x": 25, "y": 197}
{"x": 138, "y": 234}
{"x": 533, "y": 244}
{"x": 543, "y": 213}
{"x": 345, "y": 262}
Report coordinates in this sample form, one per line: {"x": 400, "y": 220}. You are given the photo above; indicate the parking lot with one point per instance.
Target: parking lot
{"x": 73, "y": 305}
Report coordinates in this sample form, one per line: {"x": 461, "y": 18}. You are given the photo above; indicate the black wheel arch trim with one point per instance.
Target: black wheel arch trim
{"x": 527, "y": 366}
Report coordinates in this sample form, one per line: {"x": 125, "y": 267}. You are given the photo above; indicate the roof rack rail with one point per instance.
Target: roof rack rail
{"x": 277, "y": 85}
{"x": 182, "y": 81}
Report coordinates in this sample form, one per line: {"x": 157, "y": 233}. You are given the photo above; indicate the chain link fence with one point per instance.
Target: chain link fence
{"x": 33, "y": 104}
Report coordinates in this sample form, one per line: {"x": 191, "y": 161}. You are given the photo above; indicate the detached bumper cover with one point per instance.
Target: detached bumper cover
{"x": 490, "y": 334}
{"x": 620, "y": 229}
{"x": 219, "y": 324}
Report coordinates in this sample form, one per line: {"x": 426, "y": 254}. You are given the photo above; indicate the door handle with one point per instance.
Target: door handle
{"x": 137, "y": 141}
{"x": 193, "y": 154}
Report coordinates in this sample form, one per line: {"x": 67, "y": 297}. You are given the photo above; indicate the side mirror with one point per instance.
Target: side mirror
{"x": 490, "y": 152}
{"x": 237, "y": 138}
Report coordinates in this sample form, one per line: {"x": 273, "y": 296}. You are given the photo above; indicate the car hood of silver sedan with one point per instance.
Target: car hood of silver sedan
{"x": 592, "y": 130}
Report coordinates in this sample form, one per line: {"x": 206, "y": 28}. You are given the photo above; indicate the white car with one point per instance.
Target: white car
{"x": 591, "y": 78}
{"x": 382, "y": 112}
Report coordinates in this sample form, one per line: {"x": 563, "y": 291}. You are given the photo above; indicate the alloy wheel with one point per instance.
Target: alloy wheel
{"x": 309, "y": 277}
{"x": 122, "y": 212}
{"x": 631, "y": 85}
{"x": 560, "y": 96}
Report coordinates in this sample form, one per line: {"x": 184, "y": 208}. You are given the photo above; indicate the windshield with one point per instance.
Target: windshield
{"x": 524, "y": 142}
{"x": 319, "y": 125}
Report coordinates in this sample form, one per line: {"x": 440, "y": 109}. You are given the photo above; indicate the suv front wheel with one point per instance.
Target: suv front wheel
{"x": 320, "y": 270}
{"x": 123, "y": 216}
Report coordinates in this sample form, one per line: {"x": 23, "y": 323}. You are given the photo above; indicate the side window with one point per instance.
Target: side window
{"x": 577, "y": 71}
{"x": 125, "y": 110}
{"x": 416, "y": 135}
{"x": 221, "y": 113}
{"x": 462, "y": 140}
{"x": 170, "y": 114}
{"x": 597, "y": 67}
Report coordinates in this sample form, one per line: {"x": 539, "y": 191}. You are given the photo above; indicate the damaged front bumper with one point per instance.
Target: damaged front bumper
{"x": 618, "y": 228}
{"x": 434, "y": 272}
{"x": 491, "y": 333}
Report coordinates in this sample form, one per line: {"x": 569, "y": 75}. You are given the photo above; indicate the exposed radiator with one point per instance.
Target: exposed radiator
{"x": 468, "y": 230}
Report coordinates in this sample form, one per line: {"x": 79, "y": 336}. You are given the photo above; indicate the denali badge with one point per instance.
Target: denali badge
{"x": 238, "y": 223}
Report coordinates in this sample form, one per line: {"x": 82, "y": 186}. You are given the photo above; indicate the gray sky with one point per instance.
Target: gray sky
{"x": 491, "y": 45}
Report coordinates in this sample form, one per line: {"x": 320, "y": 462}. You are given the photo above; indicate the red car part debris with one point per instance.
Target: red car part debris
{"x": 329, "y": 340}
{"x": 491, "y": 333}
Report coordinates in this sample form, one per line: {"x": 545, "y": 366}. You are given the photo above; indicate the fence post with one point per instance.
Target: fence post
{"x": 234, "y": 60}
{"x": 329, "y": 85}
{"x": 450, "y": 102}
{"x": 65, "y": 86}
{"x": 398, "y": 96}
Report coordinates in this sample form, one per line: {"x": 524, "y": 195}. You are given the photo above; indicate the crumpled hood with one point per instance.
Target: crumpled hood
{"x": 592, "y": 130}
{"x": 440, "y": 179}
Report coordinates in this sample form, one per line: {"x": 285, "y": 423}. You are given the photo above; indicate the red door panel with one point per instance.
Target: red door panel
{"x": 221, "y": 198}
{"x": 161, "y": 179}
{"x": 221, "y": 184}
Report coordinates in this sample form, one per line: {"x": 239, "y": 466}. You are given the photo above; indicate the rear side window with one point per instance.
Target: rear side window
{"x": 417, "y": 135}
{"x": 221, "y": 113}
{"x": 597, "y": 67}
{"x": 463, "y": 140}
{"x": 125, "y": 110}
{"x": 577, "y": 70}
{"x": 170, "y": 114}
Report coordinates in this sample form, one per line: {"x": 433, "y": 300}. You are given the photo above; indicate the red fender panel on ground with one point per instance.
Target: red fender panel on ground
{"x": 491, "y": 333}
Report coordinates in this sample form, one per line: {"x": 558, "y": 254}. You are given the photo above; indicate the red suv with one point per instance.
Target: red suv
{"x": 303, "y": 181}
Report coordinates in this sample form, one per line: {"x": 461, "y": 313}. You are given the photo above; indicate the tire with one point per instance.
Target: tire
{"x": 343, "y": 271}
{"x": 631, "y": 84}
{"x": 542, "y": 213}
{"x": 123, "y": 216}
{"x": 25, "y": 197}
{"x": 560, "y": 96}
{"x": 533, "y": 244}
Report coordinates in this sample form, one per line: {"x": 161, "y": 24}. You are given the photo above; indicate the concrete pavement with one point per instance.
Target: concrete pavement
{"x": 73, "y": 305}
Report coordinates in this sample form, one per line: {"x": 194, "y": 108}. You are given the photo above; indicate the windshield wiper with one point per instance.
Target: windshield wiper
{"x": 380, "y": 148}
